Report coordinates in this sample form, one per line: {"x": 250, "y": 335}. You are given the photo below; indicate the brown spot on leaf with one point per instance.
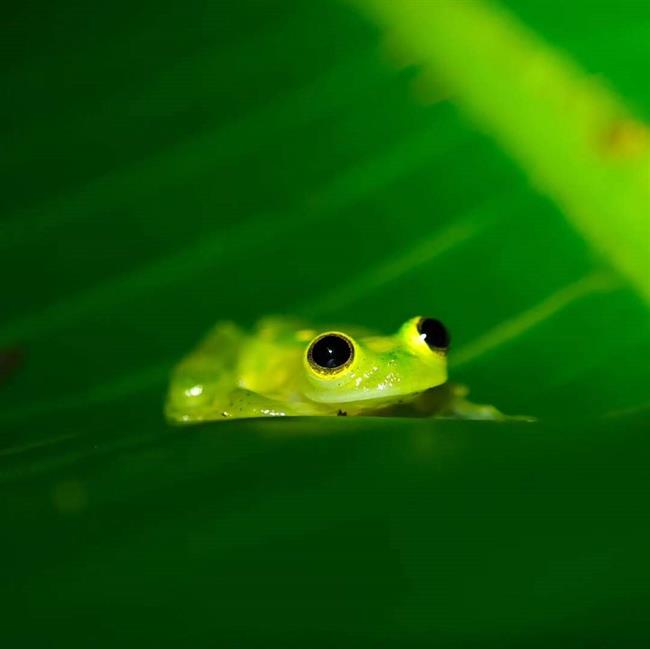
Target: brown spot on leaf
{"x": 10, "y": 361}
{"x": 625, "y": 138}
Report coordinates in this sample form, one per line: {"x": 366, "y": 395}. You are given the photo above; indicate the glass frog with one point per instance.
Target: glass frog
{"x": 287, "y": 368}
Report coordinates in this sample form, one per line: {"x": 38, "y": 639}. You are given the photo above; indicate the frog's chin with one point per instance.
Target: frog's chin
{"x": 377, "y": 403}
{"x": 377, "y": 397}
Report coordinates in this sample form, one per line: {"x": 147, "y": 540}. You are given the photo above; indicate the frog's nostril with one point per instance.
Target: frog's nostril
{"x": 434, "y": 334}
{"x": 330, "y": 352}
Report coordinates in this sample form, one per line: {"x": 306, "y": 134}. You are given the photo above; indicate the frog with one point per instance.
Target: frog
{"x": 287, "y": 367}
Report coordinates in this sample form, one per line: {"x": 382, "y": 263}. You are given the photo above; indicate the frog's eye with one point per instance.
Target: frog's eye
{"x": 434, "y": 334}
{"x": 330, "y": 352}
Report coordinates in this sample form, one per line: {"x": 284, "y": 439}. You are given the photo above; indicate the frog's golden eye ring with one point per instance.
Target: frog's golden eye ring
{"x": 434, "y": 334}
{"x": 330, "y": 353}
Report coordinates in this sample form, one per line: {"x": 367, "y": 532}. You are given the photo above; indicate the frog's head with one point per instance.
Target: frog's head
{"x": 341, "y": 369}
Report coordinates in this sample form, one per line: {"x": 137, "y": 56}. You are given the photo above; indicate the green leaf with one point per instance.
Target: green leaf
{"x": 575, "y": 139}
{"x": 172, "y": 165}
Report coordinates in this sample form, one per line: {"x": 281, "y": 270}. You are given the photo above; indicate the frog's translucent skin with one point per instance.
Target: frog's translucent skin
{"x": 266, "y": 373}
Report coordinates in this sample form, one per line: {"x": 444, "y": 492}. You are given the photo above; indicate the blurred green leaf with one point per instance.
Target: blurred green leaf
{"x": 172, "y": 165}
{"x": 576, "y": 139}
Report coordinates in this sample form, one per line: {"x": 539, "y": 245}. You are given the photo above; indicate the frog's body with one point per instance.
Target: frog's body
{"x": 286, "y": 367}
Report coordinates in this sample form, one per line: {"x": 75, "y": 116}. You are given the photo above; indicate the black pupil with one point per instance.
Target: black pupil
{"x": 331, "y": 352}
{"x": 434, "y": 332}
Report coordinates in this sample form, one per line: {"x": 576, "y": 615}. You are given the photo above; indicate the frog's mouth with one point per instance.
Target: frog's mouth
{"x": 381, "y": 394}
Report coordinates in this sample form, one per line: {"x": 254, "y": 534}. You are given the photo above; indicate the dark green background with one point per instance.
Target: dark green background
{"x": 167, "y": 165}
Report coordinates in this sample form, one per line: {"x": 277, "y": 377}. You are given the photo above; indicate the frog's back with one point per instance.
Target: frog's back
{"x": 201, "y": 380}
{"x": 232, "y": 373}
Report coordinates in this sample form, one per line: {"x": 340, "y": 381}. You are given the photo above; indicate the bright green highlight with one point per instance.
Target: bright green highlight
{"x": 575, "y": 138}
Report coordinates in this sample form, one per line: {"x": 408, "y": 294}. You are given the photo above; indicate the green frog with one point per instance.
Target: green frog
{"x": 285, "y": 367}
